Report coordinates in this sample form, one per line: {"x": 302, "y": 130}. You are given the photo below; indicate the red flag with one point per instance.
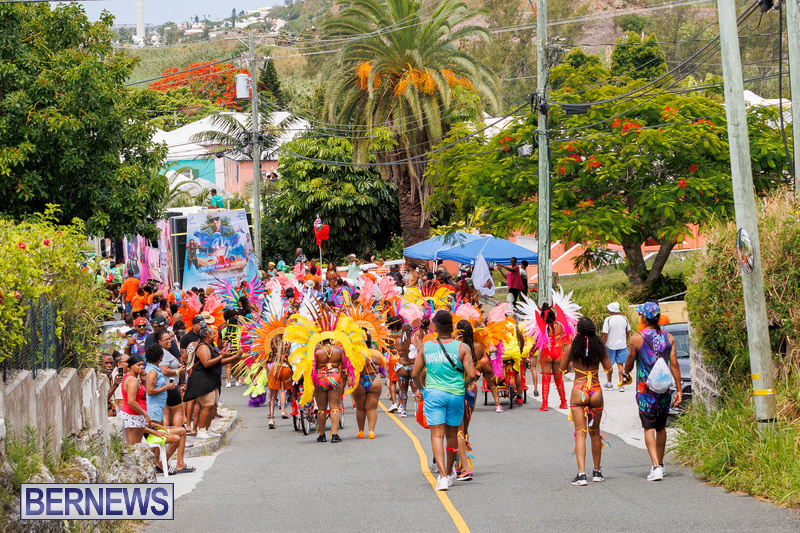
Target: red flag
{"x": 321, "y": 234}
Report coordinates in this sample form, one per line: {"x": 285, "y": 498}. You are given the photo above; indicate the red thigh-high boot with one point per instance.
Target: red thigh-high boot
{"x": 545, "y": 390}
{"x": 559, "y": 379}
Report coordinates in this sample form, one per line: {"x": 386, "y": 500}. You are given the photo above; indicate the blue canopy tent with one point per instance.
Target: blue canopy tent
{"x": 431, "y": 249}
{"x": 494, "y": 250}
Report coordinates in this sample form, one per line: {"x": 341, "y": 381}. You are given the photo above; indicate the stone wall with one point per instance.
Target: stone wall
{"x": 704, "y": 381}
{"x": 64, "y": 404}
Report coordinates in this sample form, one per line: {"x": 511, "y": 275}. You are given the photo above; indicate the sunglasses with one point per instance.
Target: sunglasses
{"x": 215, "y": 219}
{"x": 141, "y": 326}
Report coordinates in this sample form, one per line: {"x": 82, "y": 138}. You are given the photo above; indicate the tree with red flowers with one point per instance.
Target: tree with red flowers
{"x": 623, "y": 173}
{"x": 213, "y": 82}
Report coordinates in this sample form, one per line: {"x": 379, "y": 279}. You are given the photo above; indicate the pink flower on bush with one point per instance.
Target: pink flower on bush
{"x": 22, "y": 246}
{"x": 17, "y": 295}
{"x": 46, "y": 242}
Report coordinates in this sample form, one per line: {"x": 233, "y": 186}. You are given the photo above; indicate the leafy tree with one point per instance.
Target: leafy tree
{"x": 628, "y": 176}
{"x": 404, "y": 81}
{"x": 163, "y": 106}
{"x": 360, "y": 207}
{"x": 70, "y": 132}
{"x": 268, "y": 79}
{"x": 214, "y": 82}
{"x": 632, "y": 23}
{"x": 639, "y": 59}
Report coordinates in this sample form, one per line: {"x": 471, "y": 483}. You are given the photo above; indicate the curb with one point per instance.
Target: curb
{"x": 224, "y": 426}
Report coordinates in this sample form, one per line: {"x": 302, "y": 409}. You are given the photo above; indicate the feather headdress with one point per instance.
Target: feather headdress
{"x": 374, "y": 322}
{"x": 567, "y": 312}
{"x": 306, "y": 334}
{"x": 190, "y": 306}
{"x": 465, "y": 310}
{"x": 432, "y": 295}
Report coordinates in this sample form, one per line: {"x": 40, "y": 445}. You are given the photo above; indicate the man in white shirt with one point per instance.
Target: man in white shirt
{"x": 616, "y": 330}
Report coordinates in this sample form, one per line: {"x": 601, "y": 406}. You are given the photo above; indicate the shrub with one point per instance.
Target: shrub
{"x": 714, "y": 289}
{"x": 632, "y": 22}
{"x": 43, "y": 260}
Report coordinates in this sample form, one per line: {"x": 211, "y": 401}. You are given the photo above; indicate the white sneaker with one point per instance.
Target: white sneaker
{"x": 403, "y": 413}
{"x": 609, "y": 385}
{"x": 622, "y": 389}
{"x": 201, "y": 434}
{"x": 213, "y": 434}
{"x": 227, "y": 384}
{"x": 664, "y": 470}
{"x": 451, "y": 479}
{"x": 237, "y": 383}
{"x": 442, "y": 483}
{"x": 393, "y": 408}
{"x": 656, "y": 474}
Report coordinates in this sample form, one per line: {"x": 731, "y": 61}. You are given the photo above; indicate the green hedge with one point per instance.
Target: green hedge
{"x": 714, "y": 284}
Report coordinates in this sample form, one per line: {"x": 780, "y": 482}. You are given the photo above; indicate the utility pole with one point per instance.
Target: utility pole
{"x": 542, "y": 66}
{"x": 793, "y": 28}
{"x": 746, "y": 215}
{"x": 256, "y": 150}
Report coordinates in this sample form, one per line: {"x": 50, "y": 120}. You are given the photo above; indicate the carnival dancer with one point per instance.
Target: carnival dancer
{"x": 261, "y": 341}
{"x": 552, "y": 328}
{"x": 586, "y": 401}
{"x": 395, "y": 325}
{"x": 368, "y": 392}
{"x": 327, "y": 348}
{"x": 504, "y": 327}
{"x": 464, "y": 333}
{"x": 280, "y": 376}
{"x": 485, "y": 351}
{"x": 448, "y": 368}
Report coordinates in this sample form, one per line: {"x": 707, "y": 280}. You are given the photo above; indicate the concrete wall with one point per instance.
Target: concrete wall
{"x": 67, "y": 402}
{"x": 704, "y": 381}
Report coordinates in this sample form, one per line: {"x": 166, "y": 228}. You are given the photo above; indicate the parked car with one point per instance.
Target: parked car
{"x": 680, "y": 331}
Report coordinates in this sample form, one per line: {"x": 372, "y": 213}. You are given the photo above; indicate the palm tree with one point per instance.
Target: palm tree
{"x": 398, "y": 69}
{"x": 231, "y": 135}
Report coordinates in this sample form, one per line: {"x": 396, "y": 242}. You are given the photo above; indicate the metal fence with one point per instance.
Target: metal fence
{"x": 43, "y": 348}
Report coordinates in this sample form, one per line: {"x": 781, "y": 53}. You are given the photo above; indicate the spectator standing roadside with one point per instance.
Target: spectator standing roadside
{"x": 367, "y": 255}
{"x": 128, "y": 291}
{"x": 353, "y": 268}
{"x": 514, "y": 279}
{"x": 216, "y": 201}
{"x": 136, "y": 340}
{"x": 383, "y": 268}
{"x": 523, "y": 273}
{"x": 394, "y": 271}
{"x": 616, "y": 330}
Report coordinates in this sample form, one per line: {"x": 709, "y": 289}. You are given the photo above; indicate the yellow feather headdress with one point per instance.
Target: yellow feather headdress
{"x": 306, "y": 334}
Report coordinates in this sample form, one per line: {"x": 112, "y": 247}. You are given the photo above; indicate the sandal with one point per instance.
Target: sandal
{"x": 185, "y": 470}
{"x": 171, "y": 469}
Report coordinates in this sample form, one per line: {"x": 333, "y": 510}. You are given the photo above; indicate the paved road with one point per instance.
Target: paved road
{"x": 279, "y": 480}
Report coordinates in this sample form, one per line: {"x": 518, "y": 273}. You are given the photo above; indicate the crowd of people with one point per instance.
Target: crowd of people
{"x": 300, "y": 336}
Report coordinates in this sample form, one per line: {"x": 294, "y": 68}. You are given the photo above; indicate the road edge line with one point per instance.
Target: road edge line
{"x": 458, "y": 521}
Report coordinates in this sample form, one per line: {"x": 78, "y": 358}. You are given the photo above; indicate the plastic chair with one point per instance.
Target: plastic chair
{"x": 163, "y": 455}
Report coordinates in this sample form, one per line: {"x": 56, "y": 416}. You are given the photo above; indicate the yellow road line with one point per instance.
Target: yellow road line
{"x": 423, "y": 464}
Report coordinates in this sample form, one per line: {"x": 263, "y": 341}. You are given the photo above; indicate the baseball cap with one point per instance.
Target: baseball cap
{"x": 207, "y": 317}
{"x": 140, "y": 321}
{"x": 198, "y": 319}
{"x": 159, "y": 321}
{"x": 651, "y": 310}
{"x": 271, "y": 264}
{"x": 639, "y": 309}
{"x": 613, "y": 307}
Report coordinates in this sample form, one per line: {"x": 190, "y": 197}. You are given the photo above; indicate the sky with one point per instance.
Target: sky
{"x": 160, "y": 11}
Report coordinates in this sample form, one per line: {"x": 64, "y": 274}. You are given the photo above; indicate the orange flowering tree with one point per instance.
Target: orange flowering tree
{"x": 213, "y": 82}
{"x": 626, "y": 172}
{"x": 410, "y": 75}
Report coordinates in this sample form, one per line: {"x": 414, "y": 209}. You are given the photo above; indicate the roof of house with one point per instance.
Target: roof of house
{"x": 182, "y": 146}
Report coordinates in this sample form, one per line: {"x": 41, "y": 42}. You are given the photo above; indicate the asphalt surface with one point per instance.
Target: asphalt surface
{"x": 280, "y": 480}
